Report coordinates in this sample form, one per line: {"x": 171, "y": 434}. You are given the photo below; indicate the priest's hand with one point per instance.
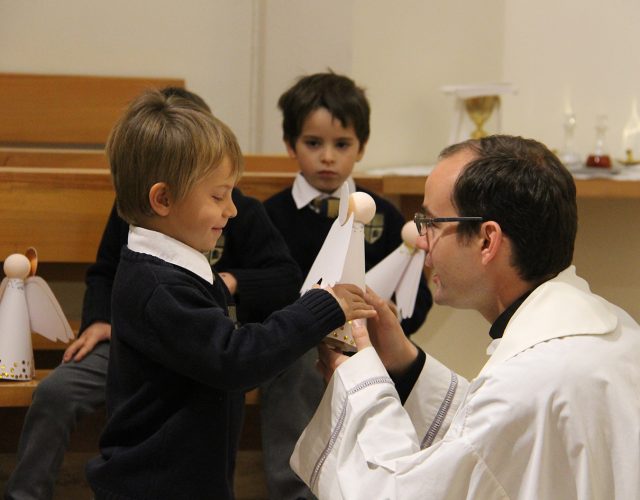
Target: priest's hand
{"x": 329, "y": 358}
{"x": 396, "y": 351}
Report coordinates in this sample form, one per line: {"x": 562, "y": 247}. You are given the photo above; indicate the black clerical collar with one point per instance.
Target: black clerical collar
{"x": 497, "y": 329}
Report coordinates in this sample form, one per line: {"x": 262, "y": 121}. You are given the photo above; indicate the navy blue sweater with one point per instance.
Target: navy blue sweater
{"x": 178, "y": 370}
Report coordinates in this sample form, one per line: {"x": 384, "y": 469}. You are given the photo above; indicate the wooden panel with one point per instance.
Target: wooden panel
{"x": 61, "y": 109}
{"x": 58, "y": 158}
{"x": 607, "y": 189}
{"x": 13, "y": 394}
{"x": 262, "y": 185}
{"x": 96, "y": 158}
{"x": 270, "y": 163}
{"x": 61, "y": 212}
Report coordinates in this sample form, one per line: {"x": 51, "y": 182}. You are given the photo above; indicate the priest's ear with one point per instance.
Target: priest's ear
{"x": 491, "y": 240}
{"x": 160, "y": 198}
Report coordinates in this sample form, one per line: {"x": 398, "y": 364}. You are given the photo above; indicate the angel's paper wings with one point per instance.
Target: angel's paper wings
{"x": 329, "y": 264}
{"x": 407, "y": 290}
{"x": 45, "y": 313}
{"x": 398, "y": 273}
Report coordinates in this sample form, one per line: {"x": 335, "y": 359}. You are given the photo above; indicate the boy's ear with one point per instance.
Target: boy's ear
{"x": 290, "y": 151}
{"x": 160, "y": 198}
{"x": 361, "y": 152}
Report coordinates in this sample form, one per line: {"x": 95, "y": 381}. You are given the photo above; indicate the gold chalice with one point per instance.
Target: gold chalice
{"x": 629, "y": 160}
{"x": 479, "y": 110}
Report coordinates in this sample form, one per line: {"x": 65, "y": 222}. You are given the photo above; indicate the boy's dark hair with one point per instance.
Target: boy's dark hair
{"x": 336, "y": 93}
{"x": 524, "y": 187}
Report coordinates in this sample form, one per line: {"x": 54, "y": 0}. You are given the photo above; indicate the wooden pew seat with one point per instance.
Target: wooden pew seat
{"x": 18, "y": 393}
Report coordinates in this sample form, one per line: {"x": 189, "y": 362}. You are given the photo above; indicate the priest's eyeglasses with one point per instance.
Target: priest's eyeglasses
{"x": 426, "y": 225}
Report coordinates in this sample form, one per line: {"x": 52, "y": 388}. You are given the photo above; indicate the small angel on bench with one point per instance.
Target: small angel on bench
{"x": 26, "y": 304}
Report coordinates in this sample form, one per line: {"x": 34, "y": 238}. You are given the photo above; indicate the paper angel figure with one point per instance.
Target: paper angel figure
{"x": 26, "y": 304}
{"x": 400, "y": 272}
{"x": 341, "y": 258}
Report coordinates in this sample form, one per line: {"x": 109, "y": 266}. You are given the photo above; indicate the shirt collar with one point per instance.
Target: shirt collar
{"x": 170, "y": 250}
{"x": 304, "y": 193}
{"x": 500, "y": 324}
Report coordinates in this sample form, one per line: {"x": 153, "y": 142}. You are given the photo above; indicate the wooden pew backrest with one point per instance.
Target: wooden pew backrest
{"x": 64, "y": 110}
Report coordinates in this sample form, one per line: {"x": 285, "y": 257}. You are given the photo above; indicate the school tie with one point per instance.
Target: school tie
{"x": 328, "y": 206}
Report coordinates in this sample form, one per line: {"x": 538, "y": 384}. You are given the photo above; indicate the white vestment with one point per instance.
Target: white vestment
{"x": 554, "y": 414}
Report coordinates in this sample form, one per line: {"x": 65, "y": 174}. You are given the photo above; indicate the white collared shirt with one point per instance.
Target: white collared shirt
{"x": 170, "y": 250}
{"x": 304, "y": 193}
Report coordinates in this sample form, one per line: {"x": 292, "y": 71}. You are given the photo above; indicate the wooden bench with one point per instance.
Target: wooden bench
{"x": 15, "y": 394}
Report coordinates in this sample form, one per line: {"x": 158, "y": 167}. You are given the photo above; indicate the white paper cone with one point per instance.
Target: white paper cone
{"x": 407, "y": 290}
{"x": 353, "y": 267}
{"x": 342, "y": 338}
{"x": 384, "y": 277}
{"x": 16, "y": 352}
{"x": 330, "y": 260}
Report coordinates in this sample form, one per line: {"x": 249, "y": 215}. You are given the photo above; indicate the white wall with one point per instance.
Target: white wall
{"x": 403, "y": 54}
{"x": 571, "y": 53}
{"x": 207, "y": 43}
{"x": 298, "y": 37}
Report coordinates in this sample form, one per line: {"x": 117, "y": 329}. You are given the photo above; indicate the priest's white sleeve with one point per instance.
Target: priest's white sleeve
{"x": 434, "y": 400}
{"x": 361, "y": 435}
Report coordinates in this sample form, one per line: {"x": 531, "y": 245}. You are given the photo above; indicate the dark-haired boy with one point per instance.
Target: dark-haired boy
{"x": 325, "y": 129}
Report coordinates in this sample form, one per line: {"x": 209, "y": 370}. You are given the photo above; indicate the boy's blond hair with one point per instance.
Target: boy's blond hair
{"x": 165, "y": 138}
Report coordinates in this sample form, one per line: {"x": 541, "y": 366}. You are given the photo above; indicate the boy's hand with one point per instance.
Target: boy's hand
{"x": 394, "y": 308}
{"x": 396, "y": 351}
{"x": 83, "y": 345}
{"x": 329, "y": 359}
{"x": 351, "y": 300}
{"x": 231, "y": 282}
